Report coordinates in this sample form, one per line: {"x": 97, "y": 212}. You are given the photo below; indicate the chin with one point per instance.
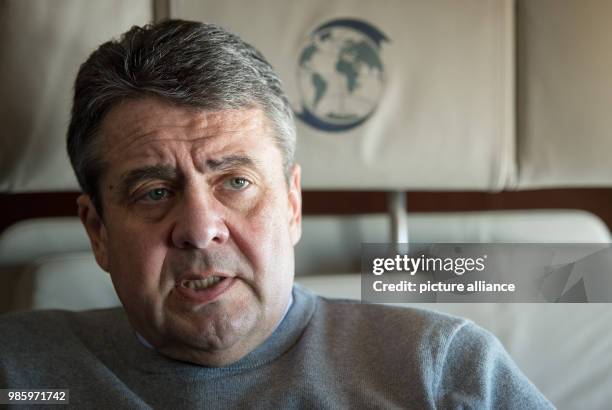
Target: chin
{"x": 220, "y": 333}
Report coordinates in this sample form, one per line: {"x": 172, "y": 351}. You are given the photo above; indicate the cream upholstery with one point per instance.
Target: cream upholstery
{"x": 65, "y": 280}
{"x": 42, "y": 45}
{"x": 447, "y": 119}
{"x": 31, "y": 239}
{"x": 564, "y": 93}
{"x": 332, "y": 244}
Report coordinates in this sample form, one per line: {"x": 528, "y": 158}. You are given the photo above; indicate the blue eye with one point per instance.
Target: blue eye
{"x": 237, "y": 183}
{"x": 157, "y": 194}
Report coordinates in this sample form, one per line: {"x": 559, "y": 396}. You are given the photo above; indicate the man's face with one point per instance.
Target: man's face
{"x": 198, "y": 228}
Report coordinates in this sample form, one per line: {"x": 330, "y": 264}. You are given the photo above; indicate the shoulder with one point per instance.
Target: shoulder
{"x": 56, "y": 317}
{"x": 36, "y": 329}
{"x": 390, "y": 336}
{"x": 456, "y": 362}
{"x": 55, "y": 347}
{"x": 408, "y": 326}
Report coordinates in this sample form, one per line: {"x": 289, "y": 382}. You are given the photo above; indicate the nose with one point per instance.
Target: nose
{"x": 199, "y": 222}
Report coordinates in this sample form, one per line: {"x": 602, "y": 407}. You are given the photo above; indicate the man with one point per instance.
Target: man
{"x": 183, "y": 142}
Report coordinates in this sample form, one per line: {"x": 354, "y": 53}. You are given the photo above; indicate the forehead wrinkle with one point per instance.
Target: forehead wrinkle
{"x": 155, "y": 152}
{"x": 158, "y": 122}
{"x": 148, "y": 117}
{"x": 156, "y": 136}
{"x": 224, "y": 146}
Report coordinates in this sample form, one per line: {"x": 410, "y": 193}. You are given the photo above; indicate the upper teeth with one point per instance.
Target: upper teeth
{"x": 201, "y": 283}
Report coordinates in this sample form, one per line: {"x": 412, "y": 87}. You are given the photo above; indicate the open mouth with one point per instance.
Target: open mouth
{"x": 199, "y": 290}
{"x": 201, "y": 284}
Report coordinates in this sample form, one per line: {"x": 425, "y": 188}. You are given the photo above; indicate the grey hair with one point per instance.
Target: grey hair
{"x": 186, "y": 63}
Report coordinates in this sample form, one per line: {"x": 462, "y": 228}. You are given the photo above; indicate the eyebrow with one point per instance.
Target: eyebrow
{"x": 229, "y": 162}
{"x": 169, "y": 173}
{"x": 131, "y": 178}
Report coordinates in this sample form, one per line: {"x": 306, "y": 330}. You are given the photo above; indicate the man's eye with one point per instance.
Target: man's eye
{"x": 157, "y": 194}
{"x": 237, "y": 183}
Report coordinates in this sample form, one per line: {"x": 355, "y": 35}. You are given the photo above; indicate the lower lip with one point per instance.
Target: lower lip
{"x": 207, "y": 295}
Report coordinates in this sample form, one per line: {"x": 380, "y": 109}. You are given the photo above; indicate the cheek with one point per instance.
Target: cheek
{"x": 136, "y": 259}
{"x": 265, "y": 241}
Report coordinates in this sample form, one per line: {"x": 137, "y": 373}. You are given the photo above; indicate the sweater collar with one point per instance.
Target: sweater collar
{"x": 287, "y": 333}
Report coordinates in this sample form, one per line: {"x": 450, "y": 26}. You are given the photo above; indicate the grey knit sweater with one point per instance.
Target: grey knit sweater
{"x": 326, "y": 354}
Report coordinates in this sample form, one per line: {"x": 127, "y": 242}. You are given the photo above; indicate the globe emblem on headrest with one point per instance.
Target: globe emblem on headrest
{"x": 340, "y": 75}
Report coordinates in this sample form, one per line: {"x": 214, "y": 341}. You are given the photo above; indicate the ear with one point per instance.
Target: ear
{"x": 94, "y": 225}
{"x": 295, "y": 204}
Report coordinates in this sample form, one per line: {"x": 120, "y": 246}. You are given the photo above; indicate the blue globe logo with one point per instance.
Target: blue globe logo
{"x": 340, "y": 75}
